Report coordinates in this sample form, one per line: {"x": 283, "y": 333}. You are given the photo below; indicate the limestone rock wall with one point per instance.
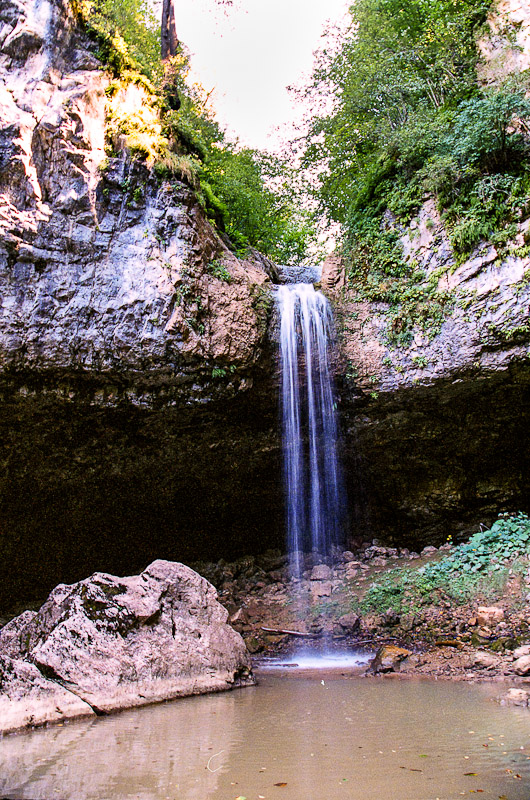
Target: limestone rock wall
{"x": 485, "y": 326}
{"x": 135, "y": 394}
{"x": 437, "y": 432}
{"x": 506, "y": 48}
{"x": 103, "y": 269}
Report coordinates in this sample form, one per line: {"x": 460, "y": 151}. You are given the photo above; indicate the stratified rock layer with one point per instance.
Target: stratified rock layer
{"x": 437, "y": 430}
{"x": 105, "y": 271}
{"x": 108, "y": 643}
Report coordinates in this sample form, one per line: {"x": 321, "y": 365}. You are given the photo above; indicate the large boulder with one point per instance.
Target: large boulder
{"x": 522, "y": 665}
{"x": 515, "y": 697}
{"x": 109, "y": 643}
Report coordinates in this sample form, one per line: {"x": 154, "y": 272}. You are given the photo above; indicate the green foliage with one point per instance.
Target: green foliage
{"x": 482, "y": 136}
{"x": 408, "y": 121}
{"x": 256, "y": 199}
{"x": 218, "y": 270}
{"x": 223, "y": 372}
{"x": 127, "y": 32}
{"x": 480, "y": 566}
{"x": 378, "y": 272}
{"x": 398, "y": 65}
{"x": 185, "y": 167}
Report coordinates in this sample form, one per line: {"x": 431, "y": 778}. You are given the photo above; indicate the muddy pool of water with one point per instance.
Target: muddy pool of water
{"x": 292, "y": 737}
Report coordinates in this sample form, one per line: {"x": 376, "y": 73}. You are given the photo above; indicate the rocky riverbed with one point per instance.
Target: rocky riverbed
{"x": 438, "y": 638}
{"x": 52, "y": 660}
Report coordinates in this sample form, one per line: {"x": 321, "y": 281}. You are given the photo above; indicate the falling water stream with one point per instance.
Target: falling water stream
{"x": 309, "y": 420}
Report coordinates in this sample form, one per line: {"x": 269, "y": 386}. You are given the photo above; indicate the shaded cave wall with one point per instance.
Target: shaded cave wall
{"x": 431, "y": 462}
{"x": 87, "y": 488}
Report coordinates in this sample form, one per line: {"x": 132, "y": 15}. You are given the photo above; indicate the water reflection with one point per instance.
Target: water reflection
{"x": 331, "y": 737}
{"x": 162, "y": 751}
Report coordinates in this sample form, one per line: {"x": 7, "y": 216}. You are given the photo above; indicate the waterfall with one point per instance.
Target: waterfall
{"x": 310, "y": 432}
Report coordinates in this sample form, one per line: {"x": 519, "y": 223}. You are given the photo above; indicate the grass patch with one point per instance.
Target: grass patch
{"x": 479, "y": 567}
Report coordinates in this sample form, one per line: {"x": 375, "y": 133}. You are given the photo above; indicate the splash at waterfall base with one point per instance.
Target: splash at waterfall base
{"x": 462, "y": 641}
{"x": 310, "y": 601}
{"x": 443, "y": 640}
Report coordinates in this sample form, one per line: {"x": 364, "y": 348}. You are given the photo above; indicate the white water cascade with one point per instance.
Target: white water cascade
{"x": 310, "y": 432}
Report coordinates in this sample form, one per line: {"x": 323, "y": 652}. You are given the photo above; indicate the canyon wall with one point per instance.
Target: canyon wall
{"x": 138, "y": 377}
{"x": 435, "y": 399}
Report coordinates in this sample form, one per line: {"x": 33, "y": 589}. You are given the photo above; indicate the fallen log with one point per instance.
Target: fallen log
{"x": 283, "y": 632}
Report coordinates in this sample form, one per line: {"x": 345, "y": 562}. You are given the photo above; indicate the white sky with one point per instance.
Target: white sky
{"x": 249, "y": 53}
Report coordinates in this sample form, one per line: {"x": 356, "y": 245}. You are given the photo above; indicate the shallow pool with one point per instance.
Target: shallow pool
{"x": 292, "y": 737}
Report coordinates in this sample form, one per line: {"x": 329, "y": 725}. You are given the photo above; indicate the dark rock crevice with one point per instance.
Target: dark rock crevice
{"x": 86, "y": 488}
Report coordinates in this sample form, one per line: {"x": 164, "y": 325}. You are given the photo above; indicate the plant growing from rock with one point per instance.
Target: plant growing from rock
{"x": 477, "y": 567}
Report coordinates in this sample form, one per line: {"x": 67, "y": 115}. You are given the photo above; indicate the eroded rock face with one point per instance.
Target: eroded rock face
{"x": 485, "y": 324}
{"x": 506, "y": 48}
{"x": 104, "y": 269}
{"x": 437, "y": 430}
{"x": 134, "y": 366}
{"x": 108, "y": 643}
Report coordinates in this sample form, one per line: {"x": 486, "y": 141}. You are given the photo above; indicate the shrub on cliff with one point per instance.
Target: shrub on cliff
{"x": 404, "y": 119}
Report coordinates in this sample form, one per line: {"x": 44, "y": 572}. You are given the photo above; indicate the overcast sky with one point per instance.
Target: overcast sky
{"x": 249, "y": 53}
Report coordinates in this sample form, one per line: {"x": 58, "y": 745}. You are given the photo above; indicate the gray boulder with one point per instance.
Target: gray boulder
{"x": 515, "y": 697}
{"x": 109, "y": 643}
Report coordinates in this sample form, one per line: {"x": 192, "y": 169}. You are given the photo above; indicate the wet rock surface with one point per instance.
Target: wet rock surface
{"x": 515, "y": 697}
{"x": 436, "y": 429}
{"x": 388, "y": 659}
{"x": 110, "y": 643}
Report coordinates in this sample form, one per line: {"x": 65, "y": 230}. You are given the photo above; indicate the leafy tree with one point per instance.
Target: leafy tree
{"x": 397, "y": 64}
{"x": 400, "y": 115}
{"x": 486, "y": 133}
{"x": 127, "y": 32}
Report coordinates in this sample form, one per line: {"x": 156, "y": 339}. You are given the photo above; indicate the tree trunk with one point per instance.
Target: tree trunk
{"x": 169, "y": 40}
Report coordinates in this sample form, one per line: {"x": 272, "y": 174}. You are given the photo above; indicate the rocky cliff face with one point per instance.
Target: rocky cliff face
{"x": 506, "y": 47}
{"x": 133, "y": 353}
{"x": 437, "y": 432}
{"x": 137, "y": 381}
{"x": 104, "y": 269}
{"x": 437, "y": 428}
